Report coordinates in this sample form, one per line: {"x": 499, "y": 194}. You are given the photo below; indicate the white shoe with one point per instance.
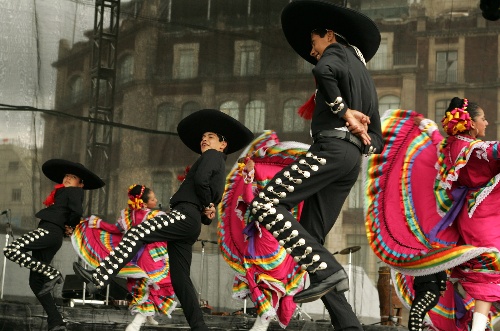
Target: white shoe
{"x": 260, "y": 324}
{"x": 136, "y": 324}
{"x": 479, "y": 322}
{"x": 151, "y": 321}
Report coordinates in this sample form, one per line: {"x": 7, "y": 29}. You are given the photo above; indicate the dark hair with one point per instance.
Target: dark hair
{"x": 320, "y": 32}
{"x": 472, "y": 107}
{"x": 136, "y": 190}
{"x": 222, "y": 138}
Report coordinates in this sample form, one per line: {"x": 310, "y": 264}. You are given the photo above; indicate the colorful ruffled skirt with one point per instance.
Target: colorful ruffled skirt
{"x": 148, "y": 279}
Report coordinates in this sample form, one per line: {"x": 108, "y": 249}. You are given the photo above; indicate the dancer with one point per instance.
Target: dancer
{"x": 63, "y": 212}
{"x": 264, "y": 272}
{"x": 469, "y": 170}
{"x": 148, "y": 277}
{"x": 212, "y": 134}
{"x": 345, "y": 124}
{"x": 444, "y": 221}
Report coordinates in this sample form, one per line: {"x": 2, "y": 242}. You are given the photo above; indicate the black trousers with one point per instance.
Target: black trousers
{"x": 43, "y": 243}
{"x": 426, "y": 297}
{"x": 323, "y": 180}
{"x": 180, "y": 228}
{"x": 341, "y": 314}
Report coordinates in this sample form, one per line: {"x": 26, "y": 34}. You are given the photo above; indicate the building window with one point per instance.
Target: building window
{"x": 446, "y": 67}
{"x": 186, "y": 61}
{"x": 16, "y": 194}
{"x": 291, "y": 121}
{"x": 388, "y": 102}
{"x": 13, "y": 166}
{"x": 355, "y": 198}
{"x": 440, "y": 107}
{"x": 231, "y": 108}
{"x": 247, "y": 58}
{"x": 166, "y": 118}
{"x": 189, "y": 107}
{"x": 162, "y": 186}
{"x": 76, "y": 89}
{"x": 380, "y": 60}
{"x": 125, "y": 69}
{"x": 255, "y": 112}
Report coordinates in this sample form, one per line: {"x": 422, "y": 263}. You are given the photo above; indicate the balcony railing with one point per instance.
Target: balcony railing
{"x": 446, "y": 77}
{"x": 389, "y": 61}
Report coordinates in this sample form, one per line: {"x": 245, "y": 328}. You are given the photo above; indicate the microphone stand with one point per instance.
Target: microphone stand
{"x": 8, "y": 234}
{"x": 203, "y": 242}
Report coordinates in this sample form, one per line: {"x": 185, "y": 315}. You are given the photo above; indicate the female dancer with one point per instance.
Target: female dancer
{"x": 264, "y": 271}
{"x": 148, "y": 279}
{"x": 426, "y": 214}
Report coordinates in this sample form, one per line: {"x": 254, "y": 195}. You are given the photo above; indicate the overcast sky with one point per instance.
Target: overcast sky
{"x": 29, "y": 37}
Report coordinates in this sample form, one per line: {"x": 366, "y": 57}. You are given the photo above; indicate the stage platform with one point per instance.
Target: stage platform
{"x": 18, "y": 315}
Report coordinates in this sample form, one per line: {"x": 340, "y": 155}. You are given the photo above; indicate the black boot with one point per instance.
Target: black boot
{"x": 338, "y": 281}
{"x": 86, "y": 277}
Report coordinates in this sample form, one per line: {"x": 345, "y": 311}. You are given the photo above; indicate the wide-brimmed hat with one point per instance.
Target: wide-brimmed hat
{"x": 193, "y": 126}
{"x": 300, "y": 17}
{"x": 56, "y": 169}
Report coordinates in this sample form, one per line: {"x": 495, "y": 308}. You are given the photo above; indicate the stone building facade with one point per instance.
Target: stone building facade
{"x": 178, "y": 56}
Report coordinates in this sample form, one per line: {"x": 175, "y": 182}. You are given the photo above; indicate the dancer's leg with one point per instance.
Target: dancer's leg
{"x": 299, "y": 181}
{"x": 341, "y": 313}
{"x": 43, "y": 242}
{"x": 426, "y": 297}
{"x": 480, "y": 317}
{"x": 180, "y": 256}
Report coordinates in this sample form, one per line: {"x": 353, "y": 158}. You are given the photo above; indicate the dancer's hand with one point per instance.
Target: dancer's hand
{"x": 418, "y": 119}
{"x": 68, "y": 230}
{"x": 357, "y": 123}
{"x": 209, "y": 212}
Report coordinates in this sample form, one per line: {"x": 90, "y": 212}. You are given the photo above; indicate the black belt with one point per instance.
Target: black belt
{"x": 339, "y": 134}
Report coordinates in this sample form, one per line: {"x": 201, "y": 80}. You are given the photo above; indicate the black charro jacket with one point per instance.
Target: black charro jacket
{"x": 67, "y": 208}
{"x": 340, "y": 73}
{"x": 204, "y": 183}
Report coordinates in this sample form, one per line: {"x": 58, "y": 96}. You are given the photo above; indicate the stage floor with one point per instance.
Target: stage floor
{"x": 17, "y": 315}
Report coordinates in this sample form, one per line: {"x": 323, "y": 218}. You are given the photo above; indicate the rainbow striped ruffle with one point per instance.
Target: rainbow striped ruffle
{"x": 264, "y": 271}
{"x": 93, "y": 245}
{"x": 148, "y": 277}
{"x": 400, "y": 208}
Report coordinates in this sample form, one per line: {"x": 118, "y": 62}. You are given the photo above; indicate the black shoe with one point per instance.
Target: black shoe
{"x": 86, "y": 277}
{"x": 338, "y": 282}
{"x": 49, "y": 286}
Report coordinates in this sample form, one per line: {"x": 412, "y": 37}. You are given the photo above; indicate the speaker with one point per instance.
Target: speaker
{"x": 73, "y": 289}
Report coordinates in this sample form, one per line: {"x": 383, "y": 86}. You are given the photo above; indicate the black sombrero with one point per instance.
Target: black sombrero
{"x": 193, "y": 126}
{"x": 300, "y": 17}
{"x": 56, "y": 169}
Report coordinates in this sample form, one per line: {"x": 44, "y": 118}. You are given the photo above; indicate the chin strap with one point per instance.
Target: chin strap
{"x": 358, "y": 52}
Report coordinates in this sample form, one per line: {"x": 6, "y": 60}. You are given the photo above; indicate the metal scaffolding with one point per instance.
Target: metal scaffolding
{"x": 102, "y": 91}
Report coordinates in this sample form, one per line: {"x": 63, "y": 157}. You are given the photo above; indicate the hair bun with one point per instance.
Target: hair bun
{"x": 456, "y": 102}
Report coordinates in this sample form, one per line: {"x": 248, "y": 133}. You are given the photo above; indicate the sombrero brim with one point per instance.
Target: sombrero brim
{"x": 56, "y": 169}
{"x": 193, "y": 126}
{"x": 300, "y": 17}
